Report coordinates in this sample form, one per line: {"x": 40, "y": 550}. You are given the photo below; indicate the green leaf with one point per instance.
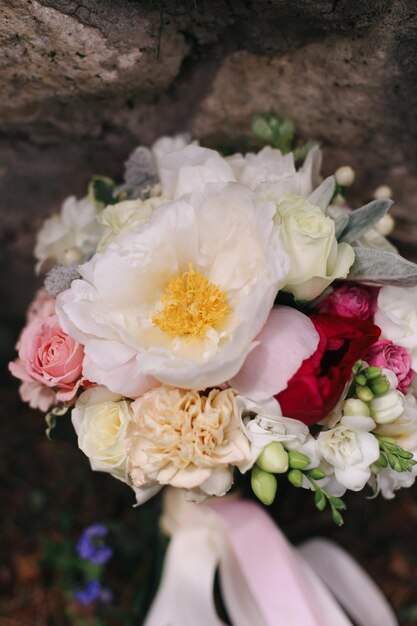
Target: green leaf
{"x": 276, "y": 131}
{"x": 101, "y": 191}
{"x": 320, "y": 500}
{"x": 322, "y": 196}
{"x": 337, "y": 503}
{"x": 363, "y": 219}
{"x": 377, "y": 267}
{"x": 337, "y": 518}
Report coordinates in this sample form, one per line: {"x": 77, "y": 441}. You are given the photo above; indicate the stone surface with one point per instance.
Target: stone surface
{"x": 84, "y": 81}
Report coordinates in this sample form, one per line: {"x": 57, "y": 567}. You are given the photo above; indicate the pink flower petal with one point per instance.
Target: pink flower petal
{"x": 287, "y": 338}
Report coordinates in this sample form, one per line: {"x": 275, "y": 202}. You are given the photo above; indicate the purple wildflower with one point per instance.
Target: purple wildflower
{"x": 91, "y": 545}
{"x": 89, "y": 593}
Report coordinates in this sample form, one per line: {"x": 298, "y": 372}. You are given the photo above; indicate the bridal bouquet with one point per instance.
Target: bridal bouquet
{"x": 213, "y": 315}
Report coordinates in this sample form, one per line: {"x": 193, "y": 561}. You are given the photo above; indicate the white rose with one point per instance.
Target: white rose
{"x": 273, "y": 174}
{"x": 396, "y": 316}
{"x": 180, "y": 299}
{"x": 315, "y": 256}
{"x": 100, "y": 419}
{"x": 186, "y": 439}
{"x": 74, "y": 228}
{"x": 351, "y": 450}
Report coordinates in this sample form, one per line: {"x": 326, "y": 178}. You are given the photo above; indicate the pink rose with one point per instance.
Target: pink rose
{"x": 37, "y": 396}
{"x": 50, "y": 356}
{"x": 350, "y": 300}
{"x": 386, "y": 354}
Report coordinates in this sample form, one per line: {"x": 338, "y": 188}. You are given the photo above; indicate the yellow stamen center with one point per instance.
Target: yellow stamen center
{"x": 191, "y": 304}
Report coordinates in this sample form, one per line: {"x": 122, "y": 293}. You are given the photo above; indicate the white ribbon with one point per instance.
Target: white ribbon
{"x": 264, "y": 580}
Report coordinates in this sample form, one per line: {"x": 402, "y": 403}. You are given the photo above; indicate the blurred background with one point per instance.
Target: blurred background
{"x": 82, "y": 83}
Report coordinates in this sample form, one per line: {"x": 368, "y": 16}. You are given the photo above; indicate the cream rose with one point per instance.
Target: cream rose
{"x": 124, "y": 217}
{"x": 100, "y": 419}
{"x": 186, "y": 439}
{"x": 316, "y": 259}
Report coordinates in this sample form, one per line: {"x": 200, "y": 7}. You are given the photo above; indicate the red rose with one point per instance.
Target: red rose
{"x": 316, "y": 388}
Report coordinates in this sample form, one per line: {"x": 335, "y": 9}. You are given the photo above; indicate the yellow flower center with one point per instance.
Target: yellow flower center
{"x": 191, "y": 304}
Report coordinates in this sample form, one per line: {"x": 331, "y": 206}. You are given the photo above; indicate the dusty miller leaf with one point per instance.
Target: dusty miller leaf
{"x": 377, "y": 267}
{"x": 322, "y": 196}
{"x": 363, "y": 219}
{"x": 341, "y": 221}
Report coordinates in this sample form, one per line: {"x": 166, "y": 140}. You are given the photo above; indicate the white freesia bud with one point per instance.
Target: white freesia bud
{"x": 388, "y": 407}
{"x": 391, "y": 377}
{"x": 354, "y": 406}
{"x": 383, "y": 192}
{"x": 73, "y": 256}
{"x": 345, "y": 176}
{"x": 386, "y": 225}
{"x": 273, "y": 458}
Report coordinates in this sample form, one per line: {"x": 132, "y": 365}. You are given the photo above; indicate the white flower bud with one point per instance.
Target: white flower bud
{"x": 383, "y": 192}
{"x": 386, "y": 225}
{"x": 354, "y": 406}
{"x": 345, "y": 176}
{"x": 387, "y": 408}
{"x": 273, "y": 458}
{"x": 73, "y": 256}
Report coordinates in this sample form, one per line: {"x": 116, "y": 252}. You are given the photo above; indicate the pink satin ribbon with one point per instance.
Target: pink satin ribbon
{"x": 269, "y": 565}
{"x": 264, "y": 580}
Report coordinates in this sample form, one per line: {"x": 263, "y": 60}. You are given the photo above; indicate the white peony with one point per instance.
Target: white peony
{"x": 351, "y": 450}
{"x": 273, "y": 174}
{"x": 182, "y": 298}
{"x": 190, "y": 169}
{"x": 186, "y": 439}
{"x": 165, "y": 145}
{"x": 396, "y": 316}
{"x": 100, "y": 419}
{"x": 75, "y": 228}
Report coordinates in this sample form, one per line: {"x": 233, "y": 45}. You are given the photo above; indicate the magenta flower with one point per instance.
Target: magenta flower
{"x": 385, "y": 353}
{"x": 350, "y": 300}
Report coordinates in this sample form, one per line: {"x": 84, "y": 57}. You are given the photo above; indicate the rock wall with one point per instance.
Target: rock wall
{"x": 84, "y": 81}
